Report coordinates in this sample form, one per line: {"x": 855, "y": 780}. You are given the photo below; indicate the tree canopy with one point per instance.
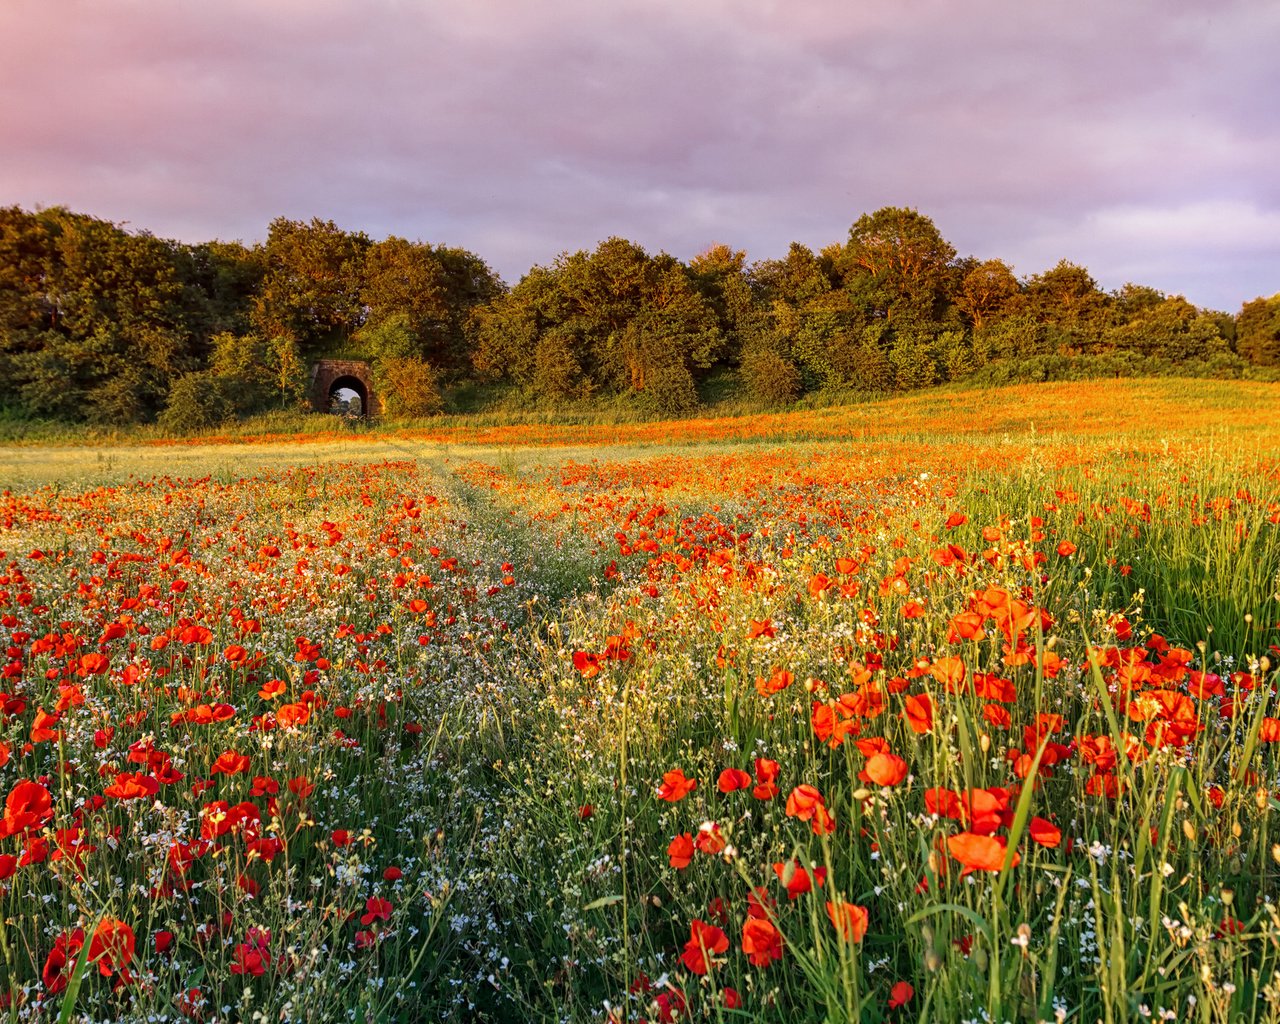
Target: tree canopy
{"x": 99, "y": 323}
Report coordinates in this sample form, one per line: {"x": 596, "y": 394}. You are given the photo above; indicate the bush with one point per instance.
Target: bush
{"x": 770, "y": 377}
{"x": 668, "y": 391}
{"x": 408, "y": 387}
{"x": 556, "y": 372}
{"x": 197, "y": 401}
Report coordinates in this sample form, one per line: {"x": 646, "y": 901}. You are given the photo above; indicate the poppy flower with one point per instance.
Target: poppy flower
{"x": 980, "y": 853}
{"x": 675, "y": 787}
{"x": 710, "y": 839}
{"x": 778, "y": 681}
{"x": 132, "y": 786}
{"x": 230, "y": 763}
{"x": 704, "y": 939}
{"x": 918, "y": 711}
{"x": 901, "y": 994}
{"x": 731, "y": 779}
{"x": 1045, "y": 832}
{"x": 376, "y": 910}
{"x": 803, "y": 802}
{"x": 27, "y": 807}
{"x": 112, "y": 946}
{"x": 761, "y": 941}
{"x": 950, "y": 671}
{"x": 797, "y": 880}
{"x": 680, "y": 851}
{"x": 766, "y": 787}
{"x": 848, "y": 919}
{"x": 886, "y": 769}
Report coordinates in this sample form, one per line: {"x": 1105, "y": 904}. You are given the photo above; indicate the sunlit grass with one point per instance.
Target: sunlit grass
{"x": 460, "y": 670}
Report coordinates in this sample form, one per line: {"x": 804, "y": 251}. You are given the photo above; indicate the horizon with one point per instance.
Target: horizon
{"x": 1139, "y": 143}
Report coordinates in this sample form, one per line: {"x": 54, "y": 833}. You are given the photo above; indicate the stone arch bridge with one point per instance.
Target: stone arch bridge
{"x": 329, "y": 376}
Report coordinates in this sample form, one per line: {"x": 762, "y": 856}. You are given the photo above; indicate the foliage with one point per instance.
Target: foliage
{"x": 98, "y": 323}
{"x": 407, "y": 386}
{"x": 197, "y": 402}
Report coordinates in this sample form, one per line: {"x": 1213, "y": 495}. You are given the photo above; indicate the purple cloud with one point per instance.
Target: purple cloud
{"x": 1138, "y": 139}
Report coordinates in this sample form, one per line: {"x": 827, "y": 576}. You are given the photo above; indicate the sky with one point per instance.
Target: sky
{"x": 1138, "y": 138}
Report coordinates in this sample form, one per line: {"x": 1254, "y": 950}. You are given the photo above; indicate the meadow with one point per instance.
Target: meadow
{"x": 954, "y": 707}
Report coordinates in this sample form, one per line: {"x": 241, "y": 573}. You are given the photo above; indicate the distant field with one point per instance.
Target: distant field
{"x": 960, "y": 706}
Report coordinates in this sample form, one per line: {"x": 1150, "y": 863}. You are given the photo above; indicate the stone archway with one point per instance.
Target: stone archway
{"x": 331, "y": 375}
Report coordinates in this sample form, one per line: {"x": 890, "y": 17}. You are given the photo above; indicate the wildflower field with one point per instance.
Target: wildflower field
{"x": 955, "y": 707}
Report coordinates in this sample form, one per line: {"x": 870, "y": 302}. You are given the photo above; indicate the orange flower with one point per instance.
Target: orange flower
{"x": 886, "y": 769}
{"x": 230, "y": 763}
{"x": 731, "y": 779}
{"x": 675, "y": 787}
{"x": 778, "y": 681}
{"x": 980, "y": 853}
{"x": 949, "y": 671}
{"x": 27, "y": 807}
{"x": 766, "y": 787}
{"x": 918, "y": 712}
{"x": 131, "y": 786}
{"x": 292, "y": 715}
{"x": 803, "y": 802}
{"x": 272, "y": 689}
{"x": 112, "y": 947}
{"x": 761, "y": 941}
{"x": 848, "y": 919}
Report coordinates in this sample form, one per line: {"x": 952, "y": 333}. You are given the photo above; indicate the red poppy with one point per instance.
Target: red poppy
{"x": 27, "y": 807}
{"x": 797, "y": 880}
{"x": 980, "y": 853}
{"x": 1045, "y": 832}
{"x": 761, "y": 941}
{"x": 132, "y": 786}
{"x": 376, "y": 910}
{"x": 918, "y": 711}
{"x": 886, "y": 769}
{"x": 731, "y": 779}
{"x": 766, "y": 787}
{"x": 675, "y": 786}
{"x": 680, "y": 852}
{"x": 112, "y": 947}
{"x": 901, "y": 994}
{"x": 848, "y": 919}
{"x": 230, "y": 762}
{"x": 704, "y": 939}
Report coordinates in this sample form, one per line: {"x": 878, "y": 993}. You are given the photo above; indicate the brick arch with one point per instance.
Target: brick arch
{"x": 328, "y": 374}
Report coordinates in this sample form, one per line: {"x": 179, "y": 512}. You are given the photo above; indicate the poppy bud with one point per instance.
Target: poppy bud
{"x": 1188, "y": 829}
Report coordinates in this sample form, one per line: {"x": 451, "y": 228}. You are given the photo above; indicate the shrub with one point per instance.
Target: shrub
{"x": 668, "y": 391}
{"x": 197, "y": 401}
{"x": 408, "y": 387}
{"x": 770, "y": 376}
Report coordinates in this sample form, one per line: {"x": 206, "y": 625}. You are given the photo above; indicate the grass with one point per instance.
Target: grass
{"x": 1014, "y": 688}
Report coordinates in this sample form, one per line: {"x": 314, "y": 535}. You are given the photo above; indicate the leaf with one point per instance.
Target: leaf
{"x": 604, "y": 901}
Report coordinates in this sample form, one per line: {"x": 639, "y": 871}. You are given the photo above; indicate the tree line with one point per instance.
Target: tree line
{"x": 106, "y": 325}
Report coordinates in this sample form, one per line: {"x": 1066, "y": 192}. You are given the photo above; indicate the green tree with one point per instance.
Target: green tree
{"x": 312, "y": 287}
{"x": 898, "y": 259}
{"x": 988, "y": 291}
{"x": 1258, "y": 331}
{"x": 1068, "y": 303}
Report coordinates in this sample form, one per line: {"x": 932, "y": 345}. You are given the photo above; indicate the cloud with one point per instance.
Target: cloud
{"x": 519, "y": 130}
